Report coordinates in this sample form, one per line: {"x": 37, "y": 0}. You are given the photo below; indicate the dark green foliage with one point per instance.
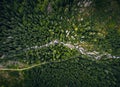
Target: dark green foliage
{"x": 28, "y": 23}
{"x": 76, "y": 72}
{"x": 114, "y": 41}
{"x": 11, "y": 79}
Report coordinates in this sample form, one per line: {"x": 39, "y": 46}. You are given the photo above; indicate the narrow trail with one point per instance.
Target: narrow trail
{"x": 81, "y": 50}
{"x": 36, "y": 65}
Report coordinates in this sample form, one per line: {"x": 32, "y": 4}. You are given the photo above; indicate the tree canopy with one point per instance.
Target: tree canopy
{"x": 46, "y": 43}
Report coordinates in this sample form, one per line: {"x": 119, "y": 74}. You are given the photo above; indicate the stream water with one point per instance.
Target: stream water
{"x": 95, "y": 54}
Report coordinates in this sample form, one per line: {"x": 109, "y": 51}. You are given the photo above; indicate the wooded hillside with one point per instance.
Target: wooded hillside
{"x": 59, "y": 43}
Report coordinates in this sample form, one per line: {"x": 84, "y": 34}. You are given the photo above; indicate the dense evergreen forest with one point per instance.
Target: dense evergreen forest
{"x": 59, "y": 43}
